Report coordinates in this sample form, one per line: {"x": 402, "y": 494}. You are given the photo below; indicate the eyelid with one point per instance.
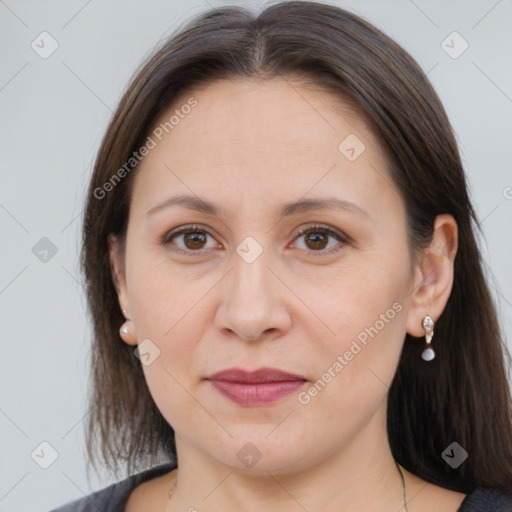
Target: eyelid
{"x": 183, "y": 230}
{"x": 321, "y": 227}
{"x": 330, "y": 231}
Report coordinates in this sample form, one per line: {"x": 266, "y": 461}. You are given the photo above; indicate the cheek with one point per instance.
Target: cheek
{"x": 365, "y": 307}
{"x": 175, "y": 398}
{"x": 172, "y": 318}
{"x": 355, "y": 368}
{"x": 168, "y": 308}
{"x": 372, "y": 309}
{"x": 366, "y": 291}
{"x": 161, "y": 294}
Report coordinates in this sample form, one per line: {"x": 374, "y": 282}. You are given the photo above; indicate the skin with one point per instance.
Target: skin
{"x": 250, "y": 147}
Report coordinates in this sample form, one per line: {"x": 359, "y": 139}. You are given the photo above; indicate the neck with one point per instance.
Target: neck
{"x": 359, "y": 476}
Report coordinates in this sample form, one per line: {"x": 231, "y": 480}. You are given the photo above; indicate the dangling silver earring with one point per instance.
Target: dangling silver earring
{"x": 428, "y": 324}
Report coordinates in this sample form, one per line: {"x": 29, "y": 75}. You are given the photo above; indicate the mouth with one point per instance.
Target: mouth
{"x": 256, "y": 388}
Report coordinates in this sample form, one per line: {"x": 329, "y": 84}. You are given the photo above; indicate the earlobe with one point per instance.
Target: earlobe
{"x": 434, "y": 275}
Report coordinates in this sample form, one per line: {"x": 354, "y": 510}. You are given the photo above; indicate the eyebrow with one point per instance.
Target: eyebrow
{"x": 301, "y": 206}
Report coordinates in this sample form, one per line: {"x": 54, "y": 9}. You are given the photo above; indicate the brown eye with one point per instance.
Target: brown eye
{"x": 316, "y": 241}
{"x": 191, "y": 240}
{"x": 194, "y": 240}
{"x": 321, "y": 240}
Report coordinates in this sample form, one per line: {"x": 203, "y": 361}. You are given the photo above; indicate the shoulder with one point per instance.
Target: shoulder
{"x": 109, "y": 498}
{"x": 487, "y": 500}
{"x": 113, "y": 498}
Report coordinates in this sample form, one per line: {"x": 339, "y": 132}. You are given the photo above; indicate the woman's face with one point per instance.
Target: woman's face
{"x": 257, "y": 163}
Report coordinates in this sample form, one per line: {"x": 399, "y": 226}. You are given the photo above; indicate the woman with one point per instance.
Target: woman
{"x": 288, "y": 300}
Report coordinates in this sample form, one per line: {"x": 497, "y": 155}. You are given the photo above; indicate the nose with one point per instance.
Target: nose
{"x": 254, "y": 302}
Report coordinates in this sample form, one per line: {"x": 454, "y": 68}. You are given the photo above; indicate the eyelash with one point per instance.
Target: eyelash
{"x": 166, "y": 239}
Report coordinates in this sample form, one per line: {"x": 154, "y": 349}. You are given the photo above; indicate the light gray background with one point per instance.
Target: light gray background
{"x": 54, "y": 112}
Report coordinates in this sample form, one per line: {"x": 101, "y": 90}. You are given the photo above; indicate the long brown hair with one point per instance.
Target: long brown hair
{"x": 463, "y": 395}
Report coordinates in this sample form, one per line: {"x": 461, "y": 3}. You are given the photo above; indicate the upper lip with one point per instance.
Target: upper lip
{"x": 256, "y": 376}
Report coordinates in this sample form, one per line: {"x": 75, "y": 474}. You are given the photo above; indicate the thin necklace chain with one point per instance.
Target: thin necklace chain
{"x": 174, "y": 486}
{"x": 404, "y": 501}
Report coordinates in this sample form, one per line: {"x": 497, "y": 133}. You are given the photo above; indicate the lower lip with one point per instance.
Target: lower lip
{"x": 253, "y": 394}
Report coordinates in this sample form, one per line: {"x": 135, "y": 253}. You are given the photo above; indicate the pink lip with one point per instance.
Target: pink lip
{"x": 260, "y": 387}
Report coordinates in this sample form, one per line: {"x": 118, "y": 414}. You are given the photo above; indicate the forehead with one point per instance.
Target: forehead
{"x": 281, "y": 112}
{"x": 260, "y": 139}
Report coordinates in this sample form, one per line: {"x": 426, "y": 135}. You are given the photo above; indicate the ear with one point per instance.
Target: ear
{"x": 117, "y": 270}
{"x": 433, "y": 275}
{"x": 119, "y": 280}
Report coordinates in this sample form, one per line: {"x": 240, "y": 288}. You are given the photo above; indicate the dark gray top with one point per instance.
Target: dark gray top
{"x": 114, "y": 497}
